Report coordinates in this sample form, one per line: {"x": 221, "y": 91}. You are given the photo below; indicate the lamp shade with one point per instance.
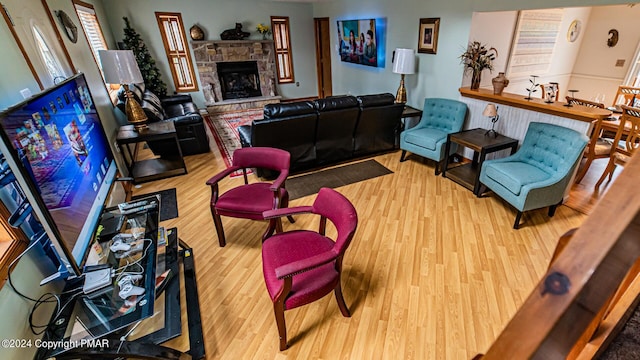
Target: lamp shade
{"x": 405, "y": 61}
{"x": 119, "y": 67}
{"x": 490, "y": 110}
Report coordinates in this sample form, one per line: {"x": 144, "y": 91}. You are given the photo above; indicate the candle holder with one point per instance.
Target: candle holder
{"x": 573, "y": 95}
{"x": 533, "y": 88}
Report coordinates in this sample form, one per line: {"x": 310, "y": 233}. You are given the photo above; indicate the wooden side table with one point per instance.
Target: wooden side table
{"x": 468, "y": 174}
{"x": 410, "y": 113}
{"x": 155, "y": 168}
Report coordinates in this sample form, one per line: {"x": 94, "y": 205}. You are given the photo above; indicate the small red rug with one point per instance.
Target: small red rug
{"x": 224, "y": 128}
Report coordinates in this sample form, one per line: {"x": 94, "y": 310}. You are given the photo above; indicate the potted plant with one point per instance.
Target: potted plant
{"x": 264, "y": 30}
{"x": 476, "y": 58}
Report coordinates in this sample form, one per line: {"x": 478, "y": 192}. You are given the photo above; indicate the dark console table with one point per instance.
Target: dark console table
{"x": 153, "y": 168}
{"x": 468, "y": 174}
{"x": 103, "y": 325}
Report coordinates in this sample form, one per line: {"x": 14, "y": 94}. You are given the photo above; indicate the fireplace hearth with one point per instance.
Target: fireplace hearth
{"x": 239, "y": 79}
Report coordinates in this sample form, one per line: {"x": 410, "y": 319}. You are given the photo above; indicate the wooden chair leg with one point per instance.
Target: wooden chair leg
{"x": 278, "y": 310}
{"x": 291, "y": 219}
{"x": 217, "y": 221}
{"x": 278, "y": 225}
{"x": 340, "y": 299}
{"x": 611, "y": 166}
{"x": 584, "y": 170}
{"x": 439, "y": 165}
{"x": 516, "y": 224}
{"x": 404, "y": 153}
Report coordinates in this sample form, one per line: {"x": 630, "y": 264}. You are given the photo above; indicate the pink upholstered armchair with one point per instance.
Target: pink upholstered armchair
{"x": 303, "y": 266}
{"x": 249, "y": 201}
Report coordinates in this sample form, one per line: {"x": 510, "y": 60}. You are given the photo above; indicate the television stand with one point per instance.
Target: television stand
{"x": 102, "y": 325}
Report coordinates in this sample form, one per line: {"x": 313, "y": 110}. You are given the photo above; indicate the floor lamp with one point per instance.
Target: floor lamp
{"x": 404, "y": 63}
{"x": 120, "y": 67}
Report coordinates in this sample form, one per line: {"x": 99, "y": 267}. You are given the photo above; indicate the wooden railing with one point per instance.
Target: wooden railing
{"x": 590, "y": 288}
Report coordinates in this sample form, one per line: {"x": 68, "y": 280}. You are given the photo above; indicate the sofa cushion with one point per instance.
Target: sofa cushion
{"x": 514, "y": 175}
{"x": 288, "y": 109}
{"x": 336, "y": 103}
{"x": 376, "y": 100}
{"x": 425, "y": 137}
{"x": 152, "y": 106}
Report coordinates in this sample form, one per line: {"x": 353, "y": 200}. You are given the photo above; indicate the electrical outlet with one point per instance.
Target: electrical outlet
{"x": 26, "y": 93}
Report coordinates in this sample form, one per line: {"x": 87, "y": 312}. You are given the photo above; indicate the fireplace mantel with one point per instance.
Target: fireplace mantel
{"x": 209, "y": 53}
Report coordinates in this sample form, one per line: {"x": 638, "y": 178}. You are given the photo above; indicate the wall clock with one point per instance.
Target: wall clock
{"x": 574, "y": 30}
{"x": 69, "y": 27}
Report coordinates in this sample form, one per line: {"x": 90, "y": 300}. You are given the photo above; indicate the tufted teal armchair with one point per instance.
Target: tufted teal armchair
{"x": 440, "y": 117}
{"x": 538, "y": 174}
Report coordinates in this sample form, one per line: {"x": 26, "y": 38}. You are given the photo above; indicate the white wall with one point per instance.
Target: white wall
{"x": 595, "y": 71}
{"x": 565, "y": 53}
{"x": 215, "y": 16}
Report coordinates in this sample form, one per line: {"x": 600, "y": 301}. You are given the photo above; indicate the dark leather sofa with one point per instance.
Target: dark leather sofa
{"x": 327, "y": 131}
{"x": 177, "y": 108}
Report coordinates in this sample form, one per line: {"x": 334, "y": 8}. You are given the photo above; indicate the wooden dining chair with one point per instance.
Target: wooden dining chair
{"x": 551, "y": 87}
{"x": 624, "y": 149}
{"x": 626, "y": 95}
{"x": 598, "y": 147}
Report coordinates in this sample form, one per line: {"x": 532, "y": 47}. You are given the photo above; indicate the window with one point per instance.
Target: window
{"x": 50, "y": 61}
{"x": 175, "y": 45}
{"x": 91, "y": 27}
{"x": 95, "y": 38}
{"x": 282, "y": 42}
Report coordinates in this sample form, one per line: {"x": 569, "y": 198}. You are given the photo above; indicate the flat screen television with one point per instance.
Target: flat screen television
{"x": 59, "y": 147}
{"x": 362, "y": 41}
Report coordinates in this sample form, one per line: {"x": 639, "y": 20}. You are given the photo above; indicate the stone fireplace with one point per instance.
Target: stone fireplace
{"x": 239, "y": 79}
{"x": 236, "y": 74}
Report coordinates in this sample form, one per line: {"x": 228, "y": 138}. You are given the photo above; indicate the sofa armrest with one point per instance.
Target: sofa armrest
{"x": 183, "y": 120}
{"x": 244, "y": 132}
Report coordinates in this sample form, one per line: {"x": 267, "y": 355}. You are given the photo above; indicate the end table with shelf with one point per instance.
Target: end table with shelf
{"x": 154, "y": 168}
{"x": 468, "y": 174}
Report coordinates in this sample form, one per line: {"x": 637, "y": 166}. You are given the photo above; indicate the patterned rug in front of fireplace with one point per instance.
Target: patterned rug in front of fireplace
{"x": 224, "y": 128}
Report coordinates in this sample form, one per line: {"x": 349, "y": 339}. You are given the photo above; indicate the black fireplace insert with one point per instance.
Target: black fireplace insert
{"x": 239, "y": 79}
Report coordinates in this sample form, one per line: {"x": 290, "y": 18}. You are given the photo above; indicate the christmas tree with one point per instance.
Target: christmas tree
{"x": 146, "y": 63}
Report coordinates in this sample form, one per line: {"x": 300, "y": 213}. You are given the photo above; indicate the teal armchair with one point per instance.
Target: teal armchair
{"x": 428, "y": 138}
{"x": 538, "y": 174}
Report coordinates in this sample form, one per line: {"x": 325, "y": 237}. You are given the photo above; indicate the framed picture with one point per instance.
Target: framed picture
{"x": 428, "y": 35}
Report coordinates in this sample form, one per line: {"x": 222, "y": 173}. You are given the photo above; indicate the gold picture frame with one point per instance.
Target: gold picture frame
{"x": 428, "y": 35}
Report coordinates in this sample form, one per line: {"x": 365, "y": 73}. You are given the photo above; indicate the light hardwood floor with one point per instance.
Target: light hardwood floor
{"x": 432, "y": 273}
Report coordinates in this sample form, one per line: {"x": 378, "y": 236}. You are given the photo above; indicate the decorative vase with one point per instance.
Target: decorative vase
{"x": 499, "y": 83}
{"x": 475, "y": 79}
{"x": 264, "y": 36}
{"x": 196, "y": 33}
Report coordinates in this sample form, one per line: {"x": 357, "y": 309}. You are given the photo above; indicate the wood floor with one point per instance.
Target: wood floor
{"x": 432, "y": 273}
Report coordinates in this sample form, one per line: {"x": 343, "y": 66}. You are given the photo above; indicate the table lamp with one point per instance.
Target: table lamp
{"x": 404, "y": 63}
{"x": 491, "y": 111}
{"x": 120, "y": 67}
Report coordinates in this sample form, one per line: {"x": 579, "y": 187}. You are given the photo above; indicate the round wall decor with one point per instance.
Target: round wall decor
{"x": 69, "y": 27}
{"x": 574, "y": 30}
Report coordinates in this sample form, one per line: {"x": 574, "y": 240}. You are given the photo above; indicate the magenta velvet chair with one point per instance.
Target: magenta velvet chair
{"x": 249, "y": 201}
{"x": 303, "y": 266}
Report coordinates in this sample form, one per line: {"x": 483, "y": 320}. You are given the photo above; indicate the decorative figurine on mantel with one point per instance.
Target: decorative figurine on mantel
{"x": 234, "y": 34}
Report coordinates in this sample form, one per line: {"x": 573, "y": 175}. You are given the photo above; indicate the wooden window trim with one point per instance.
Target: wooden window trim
{"x": 285, "y": 51}
{"x": 12, "y": 243}
{"x": 111, "y": 90}
{"x": 186, "y": 54}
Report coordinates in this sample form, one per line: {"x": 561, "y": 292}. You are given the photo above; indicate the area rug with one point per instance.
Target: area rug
{"x": 168, "y": 203}
{"x": 307, "y": 184}
{"x": 224, "y": 128}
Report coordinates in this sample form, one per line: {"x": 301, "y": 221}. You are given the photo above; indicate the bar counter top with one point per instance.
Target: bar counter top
{"x": 576, "y": 112}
